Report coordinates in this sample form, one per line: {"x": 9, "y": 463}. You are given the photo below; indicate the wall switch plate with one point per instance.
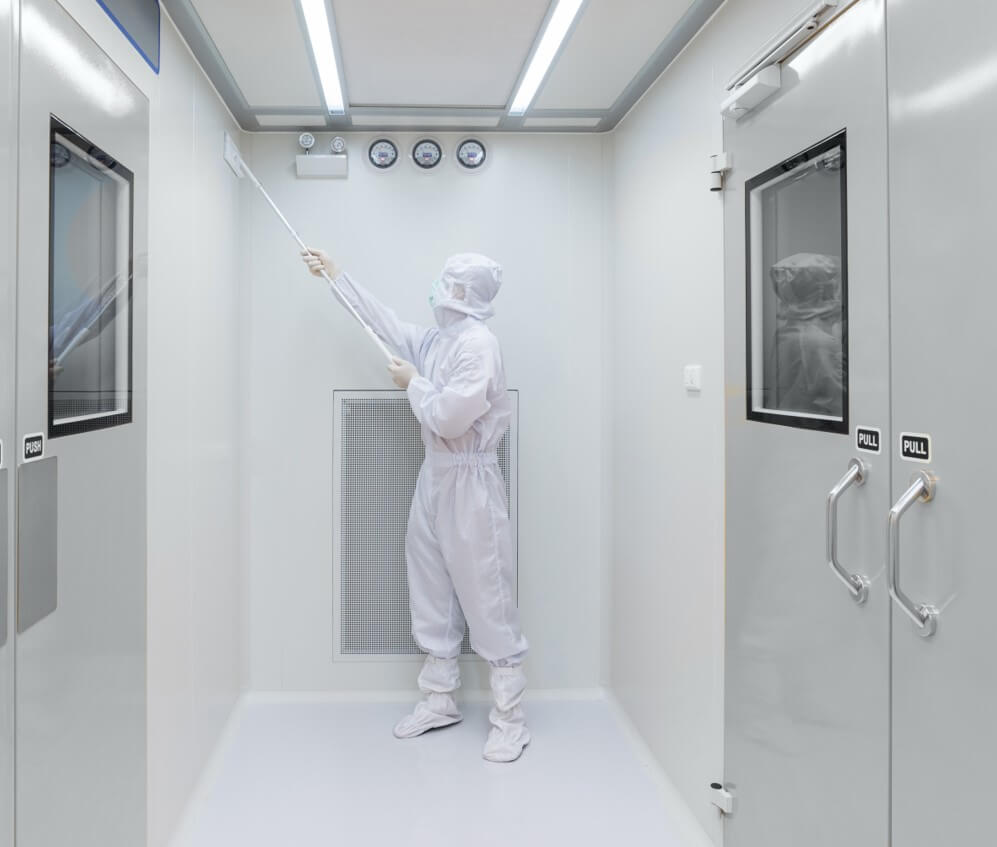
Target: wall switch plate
{"x": 692, "y": 378}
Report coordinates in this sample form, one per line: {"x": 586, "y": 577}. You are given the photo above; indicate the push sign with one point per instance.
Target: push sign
{"x": 868, "y": 439}
{"x": 34, "y": 447}
{"x": 915, "y": 447}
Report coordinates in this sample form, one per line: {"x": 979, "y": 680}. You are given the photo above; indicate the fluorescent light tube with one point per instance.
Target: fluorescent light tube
{"x": 320, "y": 35}
{"x": 557, "y": 28}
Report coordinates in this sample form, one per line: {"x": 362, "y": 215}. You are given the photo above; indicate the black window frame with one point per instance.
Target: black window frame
{"x": 839, "y": 139}
{"x": 60, "y": 430}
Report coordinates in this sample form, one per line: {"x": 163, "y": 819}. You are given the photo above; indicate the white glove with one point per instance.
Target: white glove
{"x": 318, "y": 261}
{"x": 402, "y": 372}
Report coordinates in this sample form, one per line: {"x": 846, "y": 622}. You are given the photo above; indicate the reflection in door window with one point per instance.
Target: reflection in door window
{"x": 90, "y": 286}
{"x": 797, "y": 291}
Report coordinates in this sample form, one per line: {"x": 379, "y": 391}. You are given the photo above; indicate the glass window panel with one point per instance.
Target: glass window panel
{"x": 797, "y": 291}
{"x": 90, "y": 286}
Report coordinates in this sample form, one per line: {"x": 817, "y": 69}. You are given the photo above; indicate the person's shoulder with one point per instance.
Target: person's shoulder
{"x": 479, "y": 343}
{"x": 479, "y": 338}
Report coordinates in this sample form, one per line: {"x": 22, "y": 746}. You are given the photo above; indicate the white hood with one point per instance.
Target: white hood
{"x": 470, "y": 282}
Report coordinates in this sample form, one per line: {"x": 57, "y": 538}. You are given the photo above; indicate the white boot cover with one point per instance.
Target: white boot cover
{"x": 508, "y": 735}
{"x": 438, "y": 680}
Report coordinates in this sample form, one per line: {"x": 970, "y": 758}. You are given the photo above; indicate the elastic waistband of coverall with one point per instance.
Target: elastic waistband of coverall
{"x": 440, "y": 458}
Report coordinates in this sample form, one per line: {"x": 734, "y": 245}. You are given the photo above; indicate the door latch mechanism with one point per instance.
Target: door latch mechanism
{"x": 719, "y": 165}
{"x": 721, "y": 798}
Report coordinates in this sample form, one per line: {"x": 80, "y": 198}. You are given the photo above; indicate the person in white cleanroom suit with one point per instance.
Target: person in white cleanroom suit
{"x": 808, "y": 353}
{"x": 459, "y": 548}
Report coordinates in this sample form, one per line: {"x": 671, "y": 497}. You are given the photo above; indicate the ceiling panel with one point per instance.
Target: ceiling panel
{"x": 423, "y": 120}
{"x": 291, "y": 121}
{"x": 263, "y": 44}
{"x": 553, "y": 123}
{"x": 435, "y": 52}
{"x": 611, "y": 43}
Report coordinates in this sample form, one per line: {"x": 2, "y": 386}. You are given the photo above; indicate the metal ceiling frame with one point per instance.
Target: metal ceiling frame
{"x": 193, "y": 31}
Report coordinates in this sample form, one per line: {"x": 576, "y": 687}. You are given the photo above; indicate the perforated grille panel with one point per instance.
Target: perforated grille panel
{"x": 378, "y": 453}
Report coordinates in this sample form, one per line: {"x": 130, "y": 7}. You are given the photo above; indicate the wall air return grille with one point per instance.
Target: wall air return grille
{"x": 377, "y": 453}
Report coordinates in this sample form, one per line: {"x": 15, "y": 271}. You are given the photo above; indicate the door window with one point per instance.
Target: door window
{"x": 797, "y": 271}
{"x": 90, "y": 286}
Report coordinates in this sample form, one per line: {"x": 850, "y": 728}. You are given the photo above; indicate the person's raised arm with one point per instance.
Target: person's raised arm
{"x": 406, "y": 338}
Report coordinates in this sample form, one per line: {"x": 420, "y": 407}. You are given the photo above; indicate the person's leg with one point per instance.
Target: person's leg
{"x": 438, "y": 680}
{"x": 437, "y": 620}
{"x": 509, "y": 733}
{"x": 476, "y": 539}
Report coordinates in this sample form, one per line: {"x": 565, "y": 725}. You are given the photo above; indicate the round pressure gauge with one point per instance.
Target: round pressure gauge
{"x": 471, "y": 153}
{"x": 382, "y": 153}
{"x": 427, "y": 154}
{"x": 339, "y": 144}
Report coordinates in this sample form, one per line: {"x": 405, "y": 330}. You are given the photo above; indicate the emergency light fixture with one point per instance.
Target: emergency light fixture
{"x": 320, "y": 36}
{"x": 550, "y": 43}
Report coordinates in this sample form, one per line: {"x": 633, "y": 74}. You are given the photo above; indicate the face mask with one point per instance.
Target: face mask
{"x": 438, "y": 294}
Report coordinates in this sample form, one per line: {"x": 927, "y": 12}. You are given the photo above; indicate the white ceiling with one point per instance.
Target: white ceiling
{"x": 465, "y": 53}
{"x": 262, "y": 43}
{"x": 443, "y": 63}
{"x": 611, "y": 43}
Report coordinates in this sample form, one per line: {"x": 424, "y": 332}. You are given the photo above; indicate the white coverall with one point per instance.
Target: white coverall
{"x": 808, "y": 353}
{"x": 459, "y": 549}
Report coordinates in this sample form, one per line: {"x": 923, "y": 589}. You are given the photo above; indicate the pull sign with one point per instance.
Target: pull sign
{"x": 868, "y": 439}
{"x": 915, "y": 447}
{"x": 34, "y": 447}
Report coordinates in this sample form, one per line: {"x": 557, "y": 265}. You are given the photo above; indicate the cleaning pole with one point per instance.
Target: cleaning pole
{"x": 241, "y": 169}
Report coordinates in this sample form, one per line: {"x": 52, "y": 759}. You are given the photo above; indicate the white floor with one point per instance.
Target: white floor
{"x": 330, "y": 773}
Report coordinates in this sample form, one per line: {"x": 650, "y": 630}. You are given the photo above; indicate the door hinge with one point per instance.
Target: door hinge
{"x": 721, "y": 798}
{"x": 719, "y": 165}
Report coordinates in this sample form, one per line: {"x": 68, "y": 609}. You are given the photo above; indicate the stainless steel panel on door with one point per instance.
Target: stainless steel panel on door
{"x": 8, "y": 183}
{"x": 943, "y": 121}
{"x": 807, "y": 663}
{"x": 37, "y": 541}
{"x": 81, "y": 669}
{"x": 5, "y": 548}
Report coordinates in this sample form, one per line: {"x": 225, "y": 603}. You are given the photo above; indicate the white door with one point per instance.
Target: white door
{"x": 81, "y": 460}
{"x": 943, "y": 119}
{"x": 807, "y": 661}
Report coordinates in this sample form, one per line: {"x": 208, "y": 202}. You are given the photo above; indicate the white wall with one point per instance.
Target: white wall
{"x": 667, "y": 447}
{"x": 539, "y": 210}
{"x": 197, "y": 661}
{"x": 195, "y": 596}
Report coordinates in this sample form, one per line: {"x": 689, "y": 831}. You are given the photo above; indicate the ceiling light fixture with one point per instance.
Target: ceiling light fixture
{"x": 320, "y": 35}
{"x": 557, "y": 29}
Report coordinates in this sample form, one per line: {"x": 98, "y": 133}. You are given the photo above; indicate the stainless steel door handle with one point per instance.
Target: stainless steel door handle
{"x": 925, "y": 617}
{"x": 857, "y": 585}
